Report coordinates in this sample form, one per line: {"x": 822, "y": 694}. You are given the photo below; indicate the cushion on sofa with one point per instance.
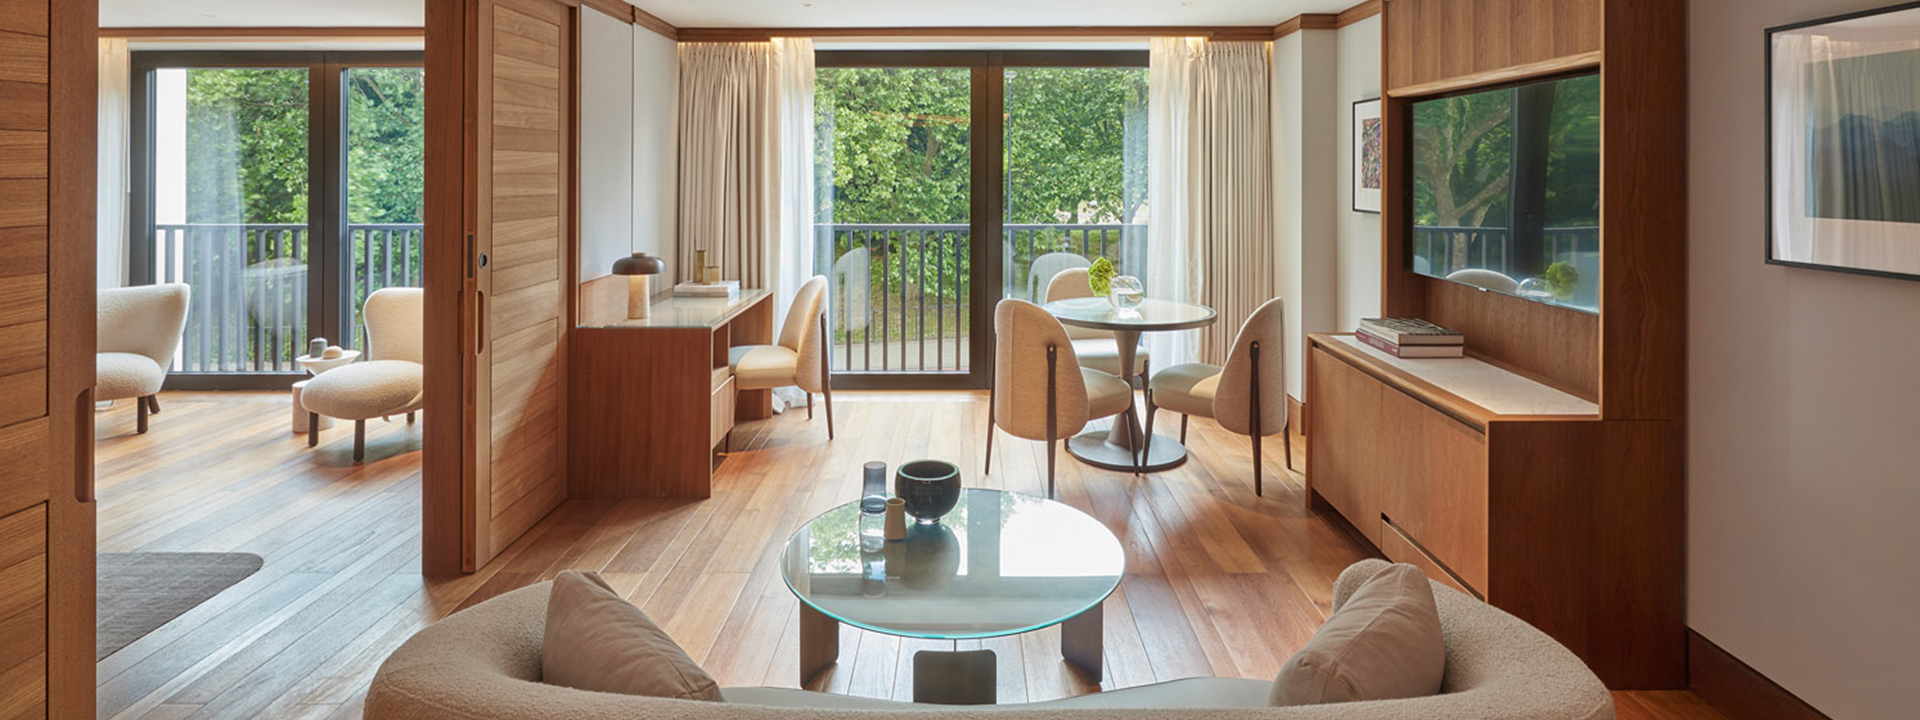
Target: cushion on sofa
{"x": 596, "y": 640}
{"x": 1384, "y": 643}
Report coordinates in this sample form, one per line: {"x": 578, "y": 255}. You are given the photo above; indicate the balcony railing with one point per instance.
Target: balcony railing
{"x": 901, "y": 294}
{"x": 251, "y": 290}
{"x": 1446, "y": 250}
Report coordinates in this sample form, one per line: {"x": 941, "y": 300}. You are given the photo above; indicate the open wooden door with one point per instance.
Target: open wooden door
{"x": 515, "y": 65}
{"x": 48, "y": 80}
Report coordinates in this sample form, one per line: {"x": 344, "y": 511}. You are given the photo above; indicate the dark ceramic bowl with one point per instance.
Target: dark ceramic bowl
{"x": 931, "y": 488}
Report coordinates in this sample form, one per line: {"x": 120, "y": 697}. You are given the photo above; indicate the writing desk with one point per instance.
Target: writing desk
{"x": 650, "y": 399}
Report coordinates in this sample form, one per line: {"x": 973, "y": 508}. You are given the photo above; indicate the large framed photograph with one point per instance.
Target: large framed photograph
{"x": 1369, "y": 155}
{"x": 1843, "y": 143}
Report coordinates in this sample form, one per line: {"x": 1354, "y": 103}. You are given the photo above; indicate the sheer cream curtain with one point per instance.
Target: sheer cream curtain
{"x": 746, "y": 163}
{"x": 1210, "y": 188}
{"x": 114, "y": 108}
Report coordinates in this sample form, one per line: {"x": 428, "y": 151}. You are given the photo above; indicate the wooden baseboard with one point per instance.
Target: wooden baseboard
{"x": 1736, "y": 689}
{"x": 1297, "y": 415}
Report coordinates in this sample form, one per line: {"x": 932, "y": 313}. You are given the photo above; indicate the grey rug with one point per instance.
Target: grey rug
{"x": 139, "y": 592}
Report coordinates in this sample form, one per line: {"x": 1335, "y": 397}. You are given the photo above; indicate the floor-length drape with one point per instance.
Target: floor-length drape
{"x": 1210, "y": 192}
{"x": 114, "y": 113}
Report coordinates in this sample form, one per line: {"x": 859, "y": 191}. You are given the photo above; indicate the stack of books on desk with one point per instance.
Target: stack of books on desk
{"x": 724, "y": 289}
{"x": 1411, "y": 338}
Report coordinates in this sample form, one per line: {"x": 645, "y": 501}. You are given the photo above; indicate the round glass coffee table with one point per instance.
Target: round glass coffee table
{"x": 999, "y": 564}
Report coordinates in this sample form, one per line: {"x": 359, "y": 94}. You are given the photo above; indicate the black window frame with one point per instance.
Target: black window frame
{"x": 329, "y": 307}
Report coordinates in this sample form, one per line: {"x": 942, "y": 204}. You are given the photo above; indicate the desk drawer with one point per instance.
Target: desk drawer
{"x": 721, "y": 413}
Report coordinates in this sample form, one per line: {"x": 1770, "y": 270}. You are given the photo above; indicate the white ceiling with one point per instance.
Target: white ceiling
{"x": 262, "y": 13}
{"x": 741, "y": 13}
{"x": 983, "y": 13}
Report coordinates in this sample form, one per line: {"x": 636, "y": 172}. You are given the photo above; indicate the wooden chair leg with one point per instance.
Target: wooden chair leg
{"x": 359, "y": 440}
{"x": 809, "y": 406}
{"x": 829, "y": 401}
{"x": 1053, "y": 418}
{"x": 313, "y": 429}
{"x": 986, "y": 467}
{"x": 153, "y": 404}
{"x": 1146, "y": 443}
{"x": 409, "y": 418}
{"x": 1256, "y": 463}
{"x": 1288, "y": 435}
{"x": 826, "y": 378}
{"x": 1183, "y": 428}
{"x": 1053, "y": 448}
{"x": 140, "y": 415}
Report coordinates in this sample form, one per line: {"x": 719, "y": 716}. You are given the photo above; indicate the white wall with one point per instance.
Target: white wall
{"x": 1803, "y": 415}
{"x": 606, "y": 142}
{"x": 656, "y": 142}
{"x": 1304, "y": 191}
{"x": 1357, "y": 77}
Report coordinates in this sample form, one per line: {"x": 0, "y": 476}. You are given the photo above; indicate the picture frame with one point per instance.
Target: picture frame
{"x": 1369, "y": 156}
{"x": 1840, "y": 105}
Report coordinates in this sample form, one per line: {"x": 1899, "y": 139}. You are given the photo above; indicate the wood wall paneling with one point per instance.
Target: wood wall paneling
{"x": 447, "y": 448}
{"x": 23, "y": 614}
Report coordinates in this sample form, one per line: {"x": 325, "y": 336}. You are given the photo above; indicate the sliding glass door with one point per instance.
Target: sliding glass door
{"x": 282, "y": 187}
{"x": 922, "y": 154}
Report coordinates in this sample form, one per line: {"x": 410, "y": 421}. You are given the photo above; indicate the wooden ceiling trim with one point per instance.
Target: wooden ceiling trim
{"x": 1349, "y": 16}
{"x": 1222, "y": 33}
{"x": 1309, "y": 21}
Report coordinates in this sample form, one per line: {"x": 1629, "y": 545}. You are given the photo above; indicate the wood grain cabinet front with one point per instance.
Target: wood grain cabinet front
{"x": 23, "y": 613}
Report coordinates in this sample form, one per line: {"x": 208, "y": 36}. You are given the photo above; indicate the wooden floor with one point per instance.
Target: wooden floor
{"x": 1219, "y": 582}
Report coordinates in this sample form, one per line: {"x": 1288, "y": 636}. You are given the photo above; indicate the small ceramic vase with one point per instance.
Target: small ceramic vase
{"x": 896, "y": 519}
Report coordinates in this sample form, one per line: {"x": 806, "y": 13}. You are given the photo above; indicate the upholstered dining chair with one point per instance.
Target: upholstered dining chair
{"x": 800, "y": 359}
{"x": 391, "y": 380}
{"x": 1248, "y": 396}
{"x": 1040, "y": 274}
{"x": 1040, "y": 390}
{"x": 1097, "y": 349}
{"x": 1486, "y": 279}
{"x": 138, "y": 332}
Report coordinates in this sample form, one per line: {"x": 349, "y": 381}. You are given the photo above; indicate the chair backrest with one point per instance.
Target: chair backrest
{"x": 1022, "y": 334}
{"x": 1495, "y": 281}
{"x": 1045, "y": 267}
{"x": 801, "y": 333}
{"x": 1233, "y": 401}
{"x": 1069, "y": 284}
{"x": 146, "y": 320}
{"x": 396, "y": 324}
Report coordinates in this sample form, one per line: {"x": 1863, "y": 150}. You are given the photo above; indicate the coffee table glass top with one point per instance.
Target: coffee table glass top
{"x": 1000, "y": 564}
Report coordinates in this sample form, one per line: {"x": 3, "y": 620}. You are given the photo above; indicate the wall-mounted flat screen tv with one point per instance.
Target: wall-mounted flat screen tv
{"x": 1506, "y": 190}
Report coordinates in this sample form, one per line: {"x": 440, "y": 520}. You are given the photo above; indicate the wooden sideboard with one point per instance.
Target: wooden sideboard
{"x": 650, "y": 399}
{"x": 1511, "y": 490}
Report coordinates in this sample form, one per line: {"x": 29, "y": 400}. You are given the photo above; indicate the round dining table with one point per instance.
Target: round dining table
{"x": 1118, "y": 448}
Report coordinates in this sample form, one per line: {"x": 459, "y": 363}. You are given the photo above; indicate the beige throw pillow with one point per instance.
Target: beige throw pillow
{"x": 598, "y": 641}
{"x": 1383, "y": 644}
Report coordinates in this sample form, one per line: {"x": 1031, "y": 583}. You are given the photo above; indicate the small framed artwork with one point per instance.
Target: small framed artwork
{"x": 1843, "y": 143}
{"x": 1369, "y": 155}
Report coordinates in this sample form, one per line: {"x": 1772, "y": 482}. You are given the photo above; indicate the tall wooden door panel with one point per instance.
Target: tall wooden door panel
{"x": 522, "y": 237}
{"x": 48, "y": 66}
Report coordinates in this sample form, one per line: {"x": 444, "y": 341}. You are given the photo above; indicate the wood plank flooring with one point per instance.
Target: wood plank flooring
{"x": 1219, "y": 582}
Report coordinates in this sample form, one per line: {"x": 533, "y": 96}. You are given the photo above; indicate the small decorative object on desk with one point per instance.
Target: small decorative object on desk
{"x": 1409, "y": 338}
{"x": 639, "y": 269}
{"x": 711, "y": 275}
{"x": 333, "y": 352}
{"x": 1127, "y": 293}
{"x": 896, "y": 519}
{"x": 873, "y": 497}
{"x": 316, "y": 346}
{"x": 931, "y": 488}
{"x": 725, "y": 289}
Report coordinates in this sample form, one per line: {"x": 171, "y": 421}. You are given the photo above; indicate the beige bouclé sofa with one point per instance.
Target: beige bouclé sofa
{"x": 484, "y": 664}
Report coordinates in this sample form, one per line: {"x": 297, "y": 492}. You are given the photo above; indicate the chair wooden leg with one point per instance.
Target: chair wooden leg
{"x": 829, "y": 401}
{"x": 313, "y": 429}
{"x": 140, "y": 415}
{"x": 359, "y": 440}
{"x": 1053, "y": 448}
{"x": 986, "y": 466}
{"x": 1146, "y": 443}
{"x": 809, "y": 406}
{"x": 1183, "y": 429}
{"x": 1256, "y": 463}
{"x": 1288, "y": 435}
{"x": 409, "y": 418}
{"x": 153, "y": 404}
{"x": 826, "y": 378}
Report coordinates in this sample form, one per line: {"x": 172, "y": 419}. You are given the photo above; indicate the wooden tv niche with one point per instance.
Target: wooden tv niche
{"x": 1544, "y": 472}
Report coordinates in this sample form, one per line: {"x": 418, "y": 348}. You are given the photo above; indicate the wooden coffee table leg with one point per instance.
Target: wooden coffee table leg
{"x": 819, "y": 643}
{"x": 1080, "y": 640}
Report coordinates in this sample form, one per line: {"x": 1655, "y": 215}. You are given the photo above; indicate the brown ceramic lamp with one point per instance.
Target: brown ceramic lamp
{"x": 639, "y": 269}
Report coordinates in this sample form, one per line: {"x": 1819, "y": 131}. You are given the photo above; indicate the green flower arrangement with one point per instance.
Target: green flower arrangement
{"x": 1100, "y": 277}
{"x": 1562, "y": 280}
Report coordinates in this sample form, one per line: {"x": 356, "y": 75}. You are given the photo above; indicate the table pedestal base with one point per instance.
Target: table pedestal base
{"x": 964, "y": 677}
{"x": 1097, "y": 449}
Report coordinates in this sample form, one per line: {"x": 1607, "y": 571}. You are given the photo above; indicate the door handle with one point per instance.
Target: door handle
{"x": 479, "y": 322}
{"x": 83, "y": 446}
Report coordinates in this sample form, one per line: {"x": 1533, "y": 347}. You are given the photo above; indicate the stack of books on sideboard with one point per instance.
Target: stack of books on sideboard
{"x": 1410, "y": 338}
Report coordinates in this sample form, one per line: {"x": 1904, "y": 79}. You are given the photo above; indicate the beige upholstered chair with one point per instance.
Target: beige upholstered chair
{"x": 1248, "y": 396}
{"x": 1040, "y": 390}
{"x": 1097, "y": 349}
{"x": 139, "y": 331}
{"x": 1487, "y": 279}
{"x": 390, "y": 381}
{"x": 801, "y": 357}
{"x": 1044, "y": 268}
